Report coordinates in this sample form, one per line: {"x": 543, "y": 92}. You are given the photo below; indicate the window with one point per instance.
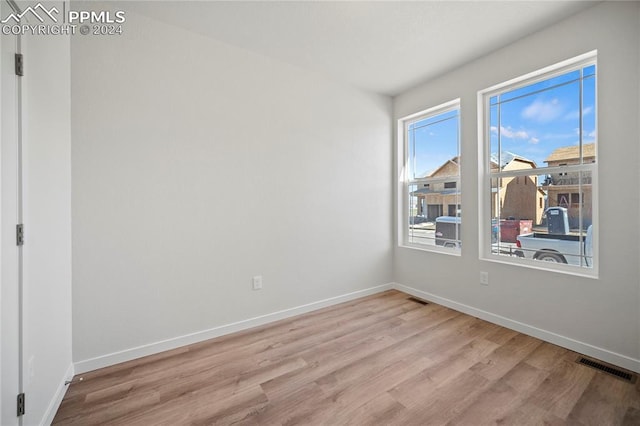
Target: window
{"x": 576, "y": 198}
{"x": 563, "y": 200}
{"x": 429, "y": 185}
{"x": 539, "y": 150}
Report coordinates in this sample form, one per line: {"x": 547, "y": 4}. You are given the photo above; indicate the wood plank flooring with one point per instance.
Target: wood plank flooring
{"x": 379, "y": 360}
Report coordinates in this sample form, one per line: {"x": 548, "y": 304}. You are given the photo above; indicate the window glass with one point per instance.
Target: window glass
{"x": 433, "y": 142}
{"x": 432, "y": 162}
{"x": 542, "y": 155}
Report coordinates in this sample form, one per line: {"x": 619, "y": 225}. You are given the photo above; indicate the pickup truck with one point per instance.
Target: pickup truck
{"x": 557, "y": 248}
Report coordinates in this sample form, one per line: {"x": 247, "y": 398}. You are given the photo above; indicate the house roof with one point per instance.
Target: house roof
{"x": 507, "y": 157}
{"x": 425, "y": 191}
{"x": 455, "y": 160}
{"x": 572, "y": 152}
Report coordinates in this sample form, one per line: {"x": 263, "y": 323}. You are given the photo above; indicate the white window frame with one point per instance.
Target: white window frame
{"x": 403, "y": 179}
{"x": 485, "y": 175}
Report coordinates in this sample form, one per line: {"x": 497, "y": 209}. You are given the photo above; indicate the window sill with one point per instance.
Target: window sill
{"x": 576, "y": 271}
{"x": 432, "y": 249}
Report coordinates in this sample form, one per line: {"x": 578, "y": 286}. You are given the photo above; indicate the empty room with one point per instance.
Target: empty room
{"x": 320, "y": 213}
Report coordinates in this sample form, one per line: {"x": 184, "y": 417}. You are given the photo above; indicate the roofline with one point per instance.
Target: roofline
{"x": 444, "y": 164}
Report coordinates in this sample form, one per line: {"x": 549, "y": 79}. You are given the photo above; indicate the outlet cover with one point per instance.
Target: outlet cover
{"x": 257, "y": 282}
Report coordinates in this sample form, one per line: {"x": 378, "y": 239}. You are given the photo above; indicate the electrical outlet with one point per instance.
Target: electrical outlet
{"x": 484, "y": 278}
{"x": 257, "y": 282}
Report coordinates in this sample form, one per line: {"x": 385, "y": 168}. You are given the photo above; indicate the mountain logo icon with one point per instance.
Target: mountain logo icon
{"x": 39, "y": 11}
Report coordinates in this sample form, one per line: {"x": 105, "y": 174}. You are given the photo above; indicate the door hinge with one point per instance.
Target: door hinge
{"x": 20, "y": 234}
{"x": 20, "y": 404}
{"x": 19, "y": 64}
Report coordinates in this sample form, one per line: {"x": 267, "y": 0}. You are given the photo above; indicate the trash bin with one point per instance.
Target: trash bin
{"x": 511, "y": 228}
{"x": 526, "y": 227}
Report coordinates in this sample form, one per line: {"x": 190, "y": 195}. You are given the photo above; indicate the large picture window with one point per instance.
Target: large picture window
{"x": 538, "y": 189}
{"x": 430, "y": 179}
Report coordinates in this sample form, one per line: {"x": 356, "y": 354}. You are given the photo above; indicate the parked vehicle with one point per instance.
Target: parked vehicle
{"x": 415, "y": 220}
{"x": 448, "y": 231}
{"x": 558, "y": 248}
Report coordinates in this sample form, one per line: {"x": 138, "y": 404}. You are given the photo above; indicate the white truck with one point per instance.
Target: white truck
{"x": 558, "y": 248}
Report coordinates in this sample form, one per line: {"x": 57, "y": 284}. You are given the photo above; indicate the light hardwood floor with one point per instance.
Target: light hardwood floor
{"x": 379, "y": 360}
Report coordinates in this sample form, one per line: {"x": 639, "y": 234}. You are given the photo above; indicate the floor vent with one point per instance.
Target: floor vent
{"x": 420, "y": 301}
{"x": 620, "y": 374}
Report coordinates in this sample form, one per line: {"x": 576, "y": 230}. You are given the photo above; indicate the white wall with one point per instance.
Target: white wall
{"x": 197, "y": 165}
{"x": 596, "y": 315}
{"x": 47, "y": 218}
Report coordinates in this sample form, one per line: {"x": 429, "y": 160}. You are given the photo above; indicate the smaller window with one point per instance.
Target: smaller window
{"x": 429, "y": 210}
{"x": 563, "y": 200}
{"x": 576, "y": 199}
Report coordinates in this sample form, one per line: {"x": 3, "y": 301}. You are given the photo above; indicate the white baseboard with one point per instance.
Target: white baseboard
{"x": 176, "y": 342}
{"x": 548, "y": 336}
{"x": 153, "y": 348}
{"x": 52, "y": 409}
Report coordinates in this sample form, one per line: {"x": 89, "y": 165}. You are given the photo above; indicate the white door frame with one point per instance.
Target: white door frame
{"x": 11, "y": 298}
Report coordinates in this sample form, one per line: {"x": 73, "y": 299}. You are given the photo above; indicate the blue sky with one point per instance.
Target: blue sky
{"x": 533, "y": 121}
{"x": 435, "y": 140}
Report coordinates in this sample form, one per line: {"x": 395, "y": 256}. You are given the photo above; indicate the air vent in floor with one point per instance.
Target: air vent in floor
{"x": 620, "y": 374}
{"x": 420, "y": 301}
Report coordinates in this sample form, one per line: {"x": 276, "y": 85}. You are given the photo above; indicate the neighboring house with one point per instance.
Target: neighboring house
{"x": 442, "y": 197}
{"x": 563, "y": 189}
{"x": 520, "y": 197}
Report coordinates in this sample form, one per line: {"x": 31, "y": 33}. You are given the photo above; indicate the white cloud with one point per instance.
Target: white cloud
{"x": 574, "y": 115}
{"x": 591, "y": 134}
{"x": 509, "y": 133}
{"x": 543, "y": 111}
